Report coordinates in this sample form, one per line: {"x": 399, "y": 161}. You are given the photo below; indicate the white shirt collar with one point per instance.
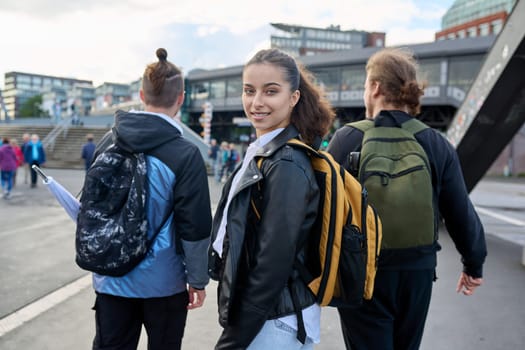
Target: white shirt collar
{"x": 263, "y": 140}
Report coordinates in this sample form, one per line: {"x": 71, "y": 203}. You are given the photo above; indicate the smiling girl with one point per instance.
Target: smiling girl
{"x": 267, "y": 210}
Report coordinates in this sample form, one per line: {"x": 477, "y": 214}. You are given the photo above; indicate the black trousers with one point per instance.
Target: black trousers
{"x": 34, "y": 175}
{"x": 395, "y": 317}
{"x": 119, "y": 321}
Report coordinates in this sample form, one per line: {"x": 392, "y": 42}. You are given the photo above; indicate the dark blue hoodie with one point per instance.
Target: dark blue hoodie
{"x": 178, "y": 189}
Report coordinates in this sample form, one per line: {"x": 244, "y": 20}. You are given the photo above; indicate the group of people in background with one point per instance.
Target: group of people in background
{"x": 13, "y": 156}
{"x": 31, "y": 152}
{"x": 223, "y": 159}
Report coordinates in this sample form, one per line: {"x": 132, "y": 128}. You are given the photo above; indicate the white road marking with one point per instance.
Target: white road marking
{"x": 46, "y": 222}
{"x": 30, "y": 311}
{"x": 501, "y": 217}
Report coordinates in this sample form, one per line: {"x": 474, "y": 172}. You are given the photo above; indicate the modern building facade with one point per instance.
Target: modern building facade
{"x": 471, "y": 18}
{"x": 109, "y": 94}
{"x": 79, "y": 100}
{"x": 134, "y": 88}
{"x": 304, "y": 41}
{"x": 54, "y": 102}
{"x": 19, "y": 87}
{"x": 82, "y": 96}
{"x": 62, "y": 96}
{"x": 449, "y": 67}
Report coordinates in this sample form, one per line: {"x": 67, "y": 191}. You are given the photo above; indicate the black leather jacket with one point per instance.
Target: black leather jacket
{"x": 256, "y": 268}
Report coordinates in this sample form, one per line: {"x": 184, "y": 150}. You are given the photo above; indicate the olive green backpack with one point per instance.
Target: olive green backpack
{"x": 395, "y": 170}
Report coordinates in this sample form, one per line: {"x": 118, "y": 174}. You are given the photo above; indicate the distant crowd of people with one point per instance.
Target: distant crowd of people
{"x": 224, "y": 158}
{"x": 13, "y": 156}
{"x": 31, "y": 152}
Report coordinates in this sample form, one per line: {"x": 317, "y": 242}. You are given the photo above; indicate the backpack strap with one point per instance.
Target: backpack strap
{"x": 414, "y": 126}
{"x": 363, "y": 125}
{"x": 301, "y": 330}
{"x": 294, "y": 143}
{"x": 351, "y": 161}
{"x": 301, "y": 144}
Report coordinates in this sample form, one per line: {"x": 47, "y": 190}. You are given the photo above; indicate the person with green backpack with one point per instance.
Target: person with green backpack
{"x": 414, "y": 179}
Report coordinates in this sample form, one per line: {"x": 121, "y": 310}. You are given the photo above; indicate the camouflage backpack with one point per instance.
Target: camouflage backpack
{"x": 112, "y": 227}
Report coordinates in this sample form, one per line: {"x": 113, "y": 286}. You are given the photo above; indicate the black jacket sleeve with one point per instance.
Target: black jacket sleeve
{"x": 344, "y": 141}
{"x": 192, "y": 216}
{"x": 461, "y": 220}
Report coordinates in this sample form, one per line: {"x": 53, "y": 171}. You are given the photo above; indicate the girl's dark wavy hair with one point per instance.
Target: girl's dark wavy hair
{"x": 312, "y": 115}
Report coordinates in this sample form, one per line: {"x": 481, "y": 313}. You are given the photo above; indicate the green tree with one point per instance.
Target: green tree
{"x": 32, "y": 107}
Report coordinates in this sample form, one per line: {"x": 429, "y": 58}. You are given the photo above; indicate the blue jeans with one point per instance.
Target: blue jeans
{"x": 278, "y": 335}
{"x": 7, "y": 180}
{"x": 217, "y": 170}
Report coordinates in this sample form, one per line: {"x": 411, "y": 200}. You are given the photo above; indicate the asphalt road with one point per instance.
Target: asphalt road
{"x": 45, "y": 299}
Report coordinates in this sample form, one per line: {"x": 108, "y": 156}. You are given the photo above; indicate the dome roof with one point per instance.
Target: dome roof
{"x": 463, "y": 11}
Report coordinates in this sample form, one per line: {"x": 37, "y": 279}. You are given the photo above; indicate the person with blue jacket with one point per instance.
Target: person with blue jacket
{"x": 88, "y": 149}
{"x": 34, "y": 154}
{"x": 171, "y": 279}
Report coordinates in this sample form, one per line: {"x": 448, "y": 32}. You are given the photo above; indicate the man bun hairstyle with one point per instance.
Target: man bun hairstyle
{"x": 162, "y": 54}
{"x": 162, "y": 81}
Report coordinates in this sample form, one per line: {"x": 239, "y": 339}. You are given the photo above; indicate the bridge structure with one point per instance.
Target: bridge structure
{"x": 494, "y": 108}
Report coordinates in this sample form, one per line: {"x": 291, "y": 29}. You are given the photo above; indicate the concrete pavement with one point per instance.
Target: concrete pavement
{"x": 37, "y": 258}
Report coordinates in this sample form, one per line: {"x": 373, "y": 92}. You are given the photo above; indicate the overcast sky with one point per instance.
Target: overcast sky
{"x": 113, "y": 41}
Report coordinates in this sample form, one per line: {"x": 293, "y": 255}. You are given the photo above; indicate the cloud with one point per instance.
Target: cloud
{"x": 113, "y": 41}
{"x": 48, "y": 9}
{"x": 206, "y": 30}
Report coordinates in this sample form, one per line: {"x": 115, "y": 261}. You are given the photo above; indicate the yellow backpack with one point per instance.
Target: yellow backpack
{"x": 343, "y": 247}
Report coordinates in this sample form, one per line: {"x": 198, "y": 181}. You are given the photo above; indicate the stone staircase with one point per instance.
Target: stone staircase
{"x": 67, "y": 148}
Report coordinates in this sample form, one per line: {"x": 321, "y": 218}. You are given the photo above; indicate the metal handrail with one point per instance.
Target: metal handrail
{"x": 49, "y": 141}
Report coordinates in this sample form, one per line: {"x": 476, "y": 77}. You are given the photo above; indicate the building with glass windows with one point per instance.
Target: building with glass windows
{"x": 305, "y": 41}
{"x": 62, "y": 96}
{"x": 471, "y": 18}
{"x": 82, "y": 96}
{"x": 20, "y": 87}
{"x": 449, "y": 68}
{"x": 109, "y": 94}
{"x": 134, "y": 88}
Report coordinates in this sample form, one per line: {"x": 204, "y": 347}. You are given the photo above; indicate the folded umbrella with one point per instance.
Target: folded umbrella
{"x": 62, "y": 195}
